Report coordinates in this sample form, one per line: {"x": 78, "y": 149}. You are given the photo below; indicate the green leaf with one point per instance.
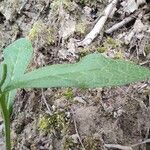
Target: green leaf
{"x": 17, "y": 57}
{"x": 0, "y": 72}
{"x": 92, "y": 71}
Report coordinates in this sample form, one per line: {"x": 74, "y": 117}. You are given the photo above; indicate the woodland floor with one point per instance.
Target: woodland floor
{"x": 69, "y": 118}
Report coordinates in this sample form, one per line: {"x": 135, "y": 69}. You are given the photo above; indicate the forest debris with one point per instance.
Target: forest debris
{"x": 65, "y": 23}
{"x": 10, "y": 8}
{"x": 46, "y": 104}
{"x": 140, "y": 2}
{"x": 119, "y": 25}
{"x": 77, "y": 132}
{"x": 79, "y": 99}
{"x": 60, "y": 103}
{"x": 138, "y": 26}
{"x": 99, "y": 25}
{"x": 87, "y": 11}
{"x": 117, "y": 146}
{"x": 130, "y": 6}
{"x": 143, "y": 142}
{"x": 71, "y": 46}
{"x": 63, "y": 53}
{"x": 137, "y": 30}
{"x": 23, "y": 3}
{"x": 67, "y": 27}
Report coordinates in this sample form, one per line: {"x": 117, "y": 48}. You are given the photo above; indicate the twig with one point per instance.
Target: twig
{"x": 141, "y": 103}
{"x": 126, "y": 147}
{"x": 99, "y": 25}
{"x": 45, "y": 101}
{"x": 117, "y": 146}
{"x": 22, "y": 7}
{"x": 47, "y": 4}
{"x": 38, "y": 15}
{"x": 41, "y": 10}
{"x": 119, "y": 25}
{"x": 77, "y": 132}
{"x": 122, "y": 23}
{"x": 145, "y": 62}
{"x": 126, "y": 20}
{"x": 143, "y": 142}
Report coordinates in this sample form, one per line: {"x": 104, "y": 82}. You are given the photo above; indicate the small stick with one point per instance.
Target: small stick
{"x": 119, "y": 25}
{"x": 99, "y": 25}
{"x": 22, "y": 7}
{"x": 77, "y": 132}
{"x": 126, "y": 20}
{"x": 45, "y": 101}
{"x": 126, "y": 147}
{"x": 117, "y": 146}
{"x": 143, "y": 142}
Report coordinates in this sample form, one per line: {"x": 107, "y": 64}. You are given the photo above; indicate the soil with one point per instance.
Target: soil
{"x": 70, "y": 118}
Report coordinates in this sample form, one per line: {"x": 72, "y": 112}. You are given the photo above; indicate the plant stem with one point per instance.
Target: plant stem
{"x": 4, "y": 74}
{"x": 6, "y": 117}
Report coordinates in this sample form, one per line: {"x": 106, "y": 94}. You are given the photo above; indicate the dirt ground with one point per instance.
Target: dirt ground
{"x": 69, "y": 118}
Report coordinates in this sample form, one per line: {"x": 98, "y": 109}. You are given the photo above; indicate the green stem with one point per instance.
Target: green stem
{"x": 6, "y": 117}
{"x": 4, "y": 74}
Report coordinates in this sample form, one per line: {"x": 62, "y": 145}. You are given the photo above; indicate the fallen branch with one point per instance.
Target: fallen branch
{"x": 99, "y": 25}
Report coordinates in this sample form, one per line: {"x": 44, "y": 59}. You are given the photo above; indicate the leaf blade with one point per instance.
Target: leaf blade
{"x": 17, "y": 57}
{"x": 92, "y": 71}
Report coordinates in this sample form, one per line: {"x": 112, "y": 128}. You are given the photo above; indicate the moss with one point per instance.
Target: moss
{"x": 146, "y": 91}
{"x": 81, "y": 27}
{"x": 68, "y": 144}
{"x": 87, "y": 50}
{"x": 69, "y": 94}
{"x": 114, "y": 43}
{"x": 147, "y": 48}
{"x": 43, "y": 123}
{"x": 57, "y": 4}
{"x": 110, "y": 44}
{"x": 92, "y": 143}
{"x": 40, "y": 31}
{"x": 48, "y": 35}
{"x": 34, "y": 32}
{"x": 55, "y": 123}
{"x": 88, "y": 2}
{"x": 118, "y": 55}
{"x": 84, "y": 52}
{"x": 102, "y": 49}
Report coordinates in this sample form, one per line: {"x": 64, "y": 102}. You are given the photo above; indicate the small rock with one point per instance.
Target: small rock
{"x": 79, "y": 99}
{"x": 60, "y": 103}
